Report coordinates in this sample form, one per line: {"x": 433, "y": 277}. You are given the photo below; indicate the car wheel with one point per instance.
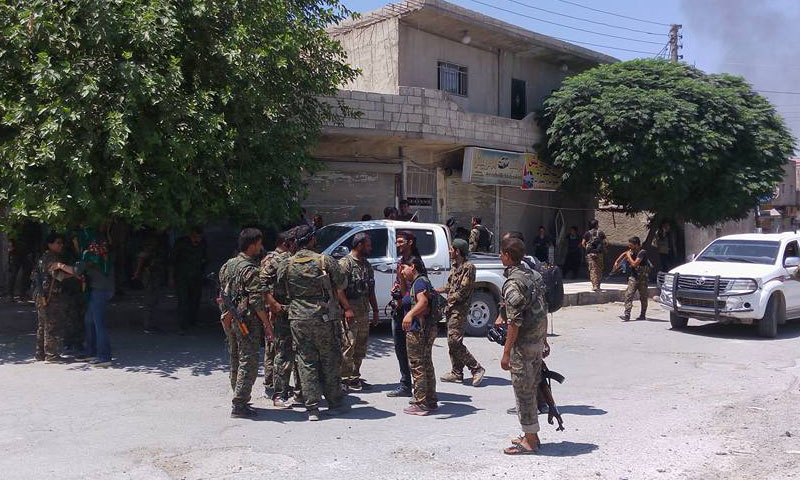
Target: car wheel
{"x": 482, "y": 314}
{"x": 768, "y": 326}
{"x": 678, "y": 322}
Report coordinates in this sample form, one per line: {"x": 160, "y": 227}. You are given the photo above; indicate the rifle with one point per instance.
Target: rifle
{"x": 547, "y": 393}
{"x": 226, "y": 301}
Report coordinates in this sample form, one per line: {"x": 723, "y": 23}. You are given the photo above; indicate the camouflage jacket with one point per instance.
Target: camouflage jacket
{"x": 239, "y": 282}
{"x": 44, "y": 281}
{"x": 269, "y": 272}
{"x": 308, "y": 281}
{"x": 460, "y": 285}
{"x": 359, "y": 281}
{"x": 525, "y": 306}
{"x": 475, "y": 239}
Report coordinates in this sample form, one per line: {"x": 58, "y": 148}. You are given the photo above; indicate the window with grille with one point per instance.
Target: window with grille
{"x": 453, "y": 78}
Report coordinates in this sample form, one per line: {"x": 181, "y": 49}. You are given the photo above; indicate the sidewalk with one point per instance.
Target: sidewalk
{"x": 578, "y": 293}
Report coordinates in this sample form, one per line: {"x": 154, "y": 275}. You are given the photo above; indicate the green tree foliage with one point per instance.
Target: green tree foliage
{"x": 162, "y": 112}
{"x": 665, "y": 138}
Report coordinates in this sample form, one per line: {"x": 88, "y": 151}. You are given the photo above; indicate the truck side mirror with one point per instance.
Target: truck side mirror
{"x": 340, "y": 252}
{"x": 791, "y": 262}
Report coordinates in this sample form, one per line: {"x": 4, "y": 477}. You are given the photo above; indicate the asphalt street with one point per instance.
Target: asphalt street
{"x": 640, "y": 401}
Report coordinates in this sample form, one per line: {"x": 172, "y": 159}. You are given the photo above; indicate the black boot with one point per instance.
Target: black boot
{"x": 243, "y": 411}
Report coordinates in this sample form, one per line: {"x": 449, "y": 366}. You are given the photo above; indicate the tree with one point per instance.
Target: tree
{"x": 665, "y": 138}
{"x": 162, "y": 112}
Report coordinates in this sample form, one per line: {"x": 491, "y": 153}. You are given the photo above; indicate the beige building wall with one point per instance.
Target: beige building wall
{"x": 374, "y": 50}
{"x": 420, "y": 53}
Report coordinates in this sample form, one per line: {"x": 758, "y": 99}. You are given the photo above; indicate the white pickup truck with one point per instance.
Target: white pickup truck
{"x": 737, "y": 279}
{"x": 433, "y": 241}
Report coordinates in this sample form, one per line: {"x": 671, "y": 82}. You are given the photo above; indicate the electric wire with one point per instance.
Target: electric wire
{"x": 605, "y": 46}
{"x": 614, "y": 14}
{"x": 562, "y": 25}
{"x": 586, "y": 19}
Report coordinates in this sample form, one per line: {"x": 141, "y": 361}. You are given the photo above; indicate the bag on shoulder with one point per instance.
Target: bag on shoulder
{"x": 554, "y": 285}
{"x": 436, "y": 302}
{"x": 485, "y": 239}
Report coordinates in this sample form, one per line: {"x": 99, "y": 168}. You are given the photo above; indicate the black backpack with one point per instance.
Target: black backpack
{"x": 554, "y": 284}
{"x": 485, "y": 239}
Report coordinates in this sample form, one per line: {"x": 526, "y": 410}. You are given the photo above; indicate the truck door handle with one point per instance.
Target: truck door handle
{"x": 384, "y": 268}
{"x": 437, "y": 268}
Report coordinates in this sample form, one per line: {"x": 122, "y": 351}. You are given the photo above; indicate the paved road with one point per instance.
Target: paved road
{"x": 640, "y": 402}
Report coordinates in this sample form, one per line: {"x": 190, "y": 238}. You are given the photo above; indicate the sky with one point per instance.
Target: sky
{"x": 753, "y": 38}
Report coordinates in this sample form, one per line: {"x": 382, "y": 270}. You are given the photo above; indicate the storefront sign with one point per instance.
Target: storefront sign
{"x": 483, "y": 166}
{"x": 426, "y": 202}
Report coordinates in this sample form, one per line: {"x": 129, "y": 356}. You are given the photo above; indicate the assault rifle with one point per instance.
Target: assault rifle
{"x": 547, "y": 394}
{"x": 227, "y": 302}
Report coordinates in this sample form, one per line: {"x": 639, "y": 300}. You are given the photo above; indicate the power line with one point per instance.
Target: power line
{"x": 607, "y": 46}
{"x": 585, "y": 19}
{"x": 562, "y": 25}
{"x": 778, "y": 92}
{"x": 614, "y": 14}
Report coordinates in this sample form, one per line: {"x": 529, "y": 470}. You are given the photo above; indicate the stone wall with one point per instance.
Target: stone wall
{"x": 425, "y": 114}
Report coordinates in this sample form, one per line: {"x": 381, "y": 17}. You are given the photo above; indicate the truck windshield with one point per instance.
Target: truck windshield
{"x": 326, "y": 236}
{"x": 741, "y": 251}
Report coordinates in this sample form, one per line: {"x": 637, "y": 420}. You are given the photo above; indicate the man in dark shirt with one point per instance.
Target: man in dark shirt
{"x": 638, "y": 270}
{"x": 573, "y": 261}
{"x": 541, "y": 246}
{"x": 405, "y": 214}
{"x": 188, "y": 267}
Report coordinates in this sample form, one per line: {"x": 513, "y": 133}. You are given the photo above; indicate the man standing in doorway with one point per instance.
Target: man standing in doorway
{"x": 594, "y": 241}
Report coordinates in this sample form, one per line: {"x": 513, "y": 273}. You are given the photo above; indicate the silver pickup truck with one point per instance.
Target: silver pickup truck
{"x": 433, "y": 242}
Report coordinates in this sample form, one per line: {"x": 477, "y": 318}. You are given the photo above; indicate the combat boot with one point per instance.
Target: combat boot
{"x": 243, "y": 411}
{"x": 477, "y": 376}
{"x": 451, "y": 377}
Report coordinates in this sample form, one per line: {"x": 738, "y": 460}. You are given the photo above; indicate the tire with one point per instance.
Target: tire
{"x": 678, "y": 322}
{"x": 768, "y": 326}
{"x": 482, "y": 313}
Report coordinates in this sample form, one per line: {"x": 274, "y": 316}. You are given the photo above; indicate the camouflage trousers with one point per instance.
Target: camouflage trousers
{"x": 526, "y": 373}
{"x": 595, "y": 263}
{"x": 355, "y": 345}
{"x": 420, "y": 350}
{"x": 50, "y": 320}
{"x": 243, "y": 351}
{"x": 154, "y": 287}
{"x": 319, "y": 361}
{"x": 636, "y": 284}
{"x": 284, "y": 360}
{"x": 270, "y": 349}
{"x": 460, "y": 357}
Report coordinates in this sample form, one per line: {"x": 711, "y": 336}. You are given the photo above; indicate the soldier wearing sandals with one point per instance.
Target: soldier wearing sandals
{"x": 526, "y": 320}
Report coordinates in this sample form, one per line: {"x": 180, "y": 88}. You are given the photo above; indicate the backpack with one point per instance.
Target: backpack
{"x": 485, "y": 239}
{"x": 554, "y": 285}
{"x": 436, "y": 302}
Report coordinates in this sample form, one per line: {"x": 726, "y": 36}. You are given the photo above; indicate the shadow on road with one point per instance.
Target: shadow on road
{"x": 454, "y": 410}
{"x": 583, "y": 410}
{"x": 740, "y": 332}
{"x": 491, "y": 382}
{"x": 566, "y": 449}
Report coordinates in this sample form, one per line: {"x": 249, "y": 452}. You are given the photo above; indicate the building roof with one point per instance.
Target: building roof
{"x": 451, "y": 21}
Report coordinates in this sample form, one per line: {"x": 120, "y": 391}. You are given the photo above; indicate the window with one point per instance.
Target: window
{"x": 453, "y": 78}
{"x": 380, "y": 242}
{"x": 519, "y": 102}
{"x": 329, "y": 234}
{"x": 426, "y": 241}
{"x": 741, "y": 251}
{"x": 791, "y": 251}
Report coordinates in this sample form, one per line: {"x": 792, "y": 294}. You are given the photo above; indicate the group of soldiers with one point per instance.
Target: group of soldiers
{"x": 314, "y": 314}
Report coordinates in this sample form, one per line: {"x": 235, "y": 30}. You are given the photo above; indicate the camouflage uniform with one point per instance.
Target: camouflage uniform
{"x": 637, "y": 282}
{"x": 239, "y": 281}
{"x": 279, "y": 358}
{"x": 525, "y": 307}
{"x": 420, "y": 349}
{"x": 50, "y": 316}
{"x": 359, "y": 287}
{"x": 459, "y": 288}
{"x": 154, "y": 257}
{"x": 595, "y": 260}
{"x": 474, "y": 239}
{"x": 74, "y": 329}
{"x": 312, "y": 318}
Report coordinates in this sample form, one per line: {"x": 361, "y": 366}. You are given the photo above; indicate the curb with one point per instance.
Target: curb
{"x": 599, "y": 298}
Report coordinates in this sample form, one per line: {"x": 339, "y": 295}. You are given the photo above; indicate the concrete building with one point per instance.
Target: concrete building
{"x": 447, "y": 97}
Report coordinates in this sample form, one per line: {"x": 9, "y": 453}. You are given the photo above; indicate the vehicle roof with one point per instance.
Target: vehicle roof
{"x": 775, "y": 237}
{"x": 386, "y": 223}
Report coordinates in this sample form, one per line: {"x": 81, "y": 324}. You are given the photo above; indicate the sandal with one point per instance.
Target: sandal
{"x": 518, "y": 449}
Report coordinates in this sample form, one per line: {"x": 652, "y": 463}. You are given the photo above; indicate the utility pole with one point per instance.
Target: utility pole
{"x": 674, "y": 42}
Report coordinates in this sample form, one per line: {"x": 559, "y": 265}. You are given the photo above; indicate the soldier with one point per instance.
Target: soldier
{"x": 73, "y": 287}
{"x": 240, "y": 289}
{"x": 459, "y": 288}
{"x": 594, "y": 242}
{"x": 421, "y": 330}
{"x": 360, "y": 293}
{"x": 188, "y": 265}
{"x": 151, "y": 270}
{"x": 480, "y": 238}
{"x": 311, "y": 284}
{"x": 638, "y": 270}
{"x": 526, "y": 319}
{"x": 279, "y": 359}
{"x": 50, "y": 300}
